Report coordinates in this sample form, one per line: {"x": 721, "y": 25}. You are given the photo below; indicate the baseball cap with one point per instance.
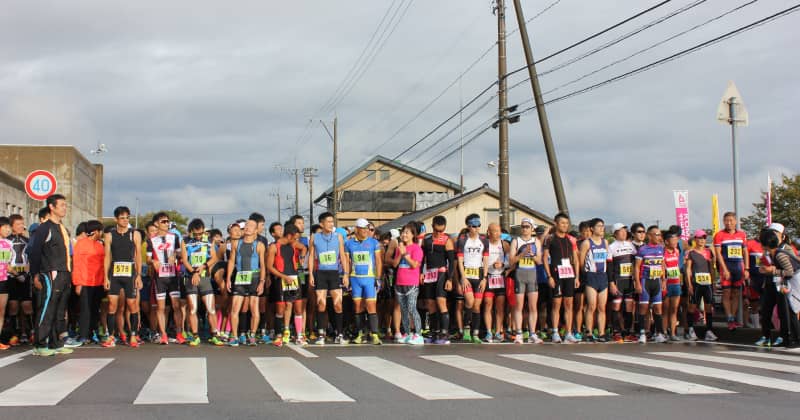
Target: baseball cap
{"x": 777, "y": 227}
{"x": 474, "y": 222}
{"x": 700, "y": 233}
{"x": 529, "y": 221}
{"x": 362, "y": 223}
{"x": 618, "y": 226}
{"x": 395, "y": 233}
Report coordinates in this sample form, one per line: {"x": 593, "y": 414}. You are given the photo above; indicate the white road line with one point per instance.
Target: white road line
{"x": 761, "y": 355}
{"x": 14, "y": 358}
{"x": 301, "y": 351}
{"x": 176, "y": 380}
{"x": 415, "y": 382}
{"x": 777, "y": 367}
{"x": 524, "y": 379}
{"x": 671, "y": 385}
{"x": 727, "y": 375}
{"x": 54, "y": 384}
{"x": 294, "y": 382}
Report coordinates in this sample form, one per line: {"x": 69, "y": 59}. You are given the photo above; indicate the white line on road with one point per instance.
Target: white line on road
{"x": 726, "y": 375}
{"x": 301, "y": 351}
{"x": 760, "y": 355}
{"x": 54, "y": 384}
{"x": 415, "y": 382}
{"x": 524, "y": 379}
{"x": 14, "y": 358}
{"x": 777, "y": 367}
{"x": 294, "y": 382}
{"x": 667, "y": 384}
{"x": 176, "y": 380}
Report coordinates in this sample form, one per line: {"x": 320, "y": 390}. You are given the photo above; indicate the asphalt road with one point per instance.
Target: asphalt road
{"x": 598, "y": 381}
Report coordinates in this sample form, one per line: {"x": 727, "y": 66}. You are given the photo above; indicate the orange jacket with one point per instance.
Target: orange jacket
{"x": 87, "y": 263}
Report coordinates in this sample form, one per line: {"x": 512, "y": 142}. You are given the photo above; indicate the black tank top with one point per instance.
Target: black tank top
{"x": 122, "y": 246}
{"x": 435, "y": 251}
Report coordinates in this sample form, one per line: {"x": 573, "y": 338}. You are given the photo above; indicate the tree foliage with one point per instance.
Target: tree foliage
{"x": 785, "y": 207}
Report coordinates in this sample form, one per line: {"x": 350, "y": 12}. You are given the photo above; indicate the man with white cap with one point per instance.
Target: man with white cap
{"x": 363, "y": 253}
{"x": 524, "y": 256}
{"x": 620, "y": 283}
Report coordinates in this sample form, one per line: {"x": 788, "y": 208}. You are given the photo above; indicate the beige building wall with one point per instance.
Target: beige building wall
{"x": 78, "y": 179}
{"x": 348, "y": 218}
{"x": 399, "y": 179}
{"x": 485, "y": 206}
{"x": 14, "y": 200}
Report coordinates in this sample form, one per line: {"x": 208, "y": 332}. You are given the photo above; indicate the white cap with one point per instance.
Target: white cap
{"x": 618, "y": 226}
{"x": 362, "y": 223}
{"x": 395, "y": 233}
{"x": 529, "y": 221}
{"x": 777, "y": 227}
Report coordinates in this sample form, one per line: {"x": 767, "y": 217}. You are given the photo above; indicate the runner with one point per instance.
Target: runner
{"x": 150, "y": 230}
{"x": 783, "y": 268}
{"x": 639, "y": 237}
{"x": 283, "y": 258}
{"x": 246, "y": 280}
{"x": 526, "y": 256}
{"x": 560, "y": 251}
{"x": 545, "y": 293}
{"x": 123, "y": 269}
{"x": 473, "y": 264}
{"x": 734, "y": 266}
{"x": 620, "y": 282}
{"x": 594, "y": 257}
{"x": 51, "y": 265}
{"x": 495, "y": 295}
{"x": 6, "y": 258}
{"x": 439, "y": 262}
{"x": 699, "y": 264}
{"x": 327, "y": 248}
{"x": 301, "y": 244}
{"x": 364, "y": 257}
{"x": 648, "y": 279}
{"x": 674, "y": 283}
{"x": 87, "y": 279}
{"x": 757, "y": 283}
{"x": 20, "y": 293}
{"x": 584, "y": 233}
{"x": 162, "y": 252}
{"x": 199, "y": 259}
{"x": 408, "y": 260}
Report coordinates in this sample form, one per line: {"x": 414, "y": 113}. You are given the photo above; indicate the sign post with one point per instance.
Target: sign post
{"x": 40, "y": 184}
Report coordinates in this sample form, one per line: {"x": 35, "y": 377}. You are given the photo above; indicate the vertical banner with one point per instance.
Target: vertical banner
{"x": 682, "y": 212}
{"x": 768, "y": 201}
{"x": 715, "y": 212}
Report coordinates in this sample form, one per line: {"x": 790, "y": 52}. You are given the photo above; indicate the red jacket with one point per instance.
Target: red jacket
{"x": 87, "y": 263}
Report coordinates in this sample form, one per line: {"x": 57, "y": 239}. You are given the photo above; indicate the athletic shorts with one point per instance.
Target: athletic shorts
{"x": 327, "y": 280}
{"x": 651, "y": 292}
{"x": 4, "y": 287}
{"x": 168, "y": 285}
{"x": 736, "y": 279}
{"x": 625, "y": 288}
{"x": 122, "y": 283}
{"x": 674, "y": 290}
{"x": 704, "y": 293}
{"x": 363, "y": 288}
{"x": 525, "y": 281}
{"x": 497, "y": 291}
{"x": 597, "y": 281}
{"x": 273, "y": 293}
{"x": 564, "y": 288}
{"x": 144, "y": 292}
{"x": 434, "y": 290}
{"x": 472, "y": 285}
{"x": 245, "y": 289}
{"x": 203, "y": 288}
{"x": 21, "y": 291}
{"x": 219, "y": 266}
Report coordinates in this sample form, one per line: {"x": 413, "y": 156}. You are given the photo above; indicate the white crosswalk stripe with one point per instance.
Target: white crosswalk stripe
{"x": 176, "y": 380}
{"x": 415, "y": 382}
{"x": 727, "y": 375}
{"x": 294, "y": 382}
{"x": 777, "y": 367}
{"x": 667, "y": 384}
{"x": 773, "y": 356}
{"x": 552, "y": 386}
{"x": 54, "y": 384}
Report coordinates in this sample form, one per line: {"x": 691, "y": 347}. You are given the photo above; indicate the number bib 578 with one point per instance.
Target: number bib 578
{"x": 122, "y": 269}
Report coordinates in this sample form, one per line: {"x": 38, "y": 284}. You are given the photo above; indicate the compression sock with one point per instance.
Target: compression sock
{"x": 111, "y": 321}
{"x": 476, "y": 324}
{"x": 134, "y": 324}
{"x": 298, "y": 325}
{"x": 373, "y": 323}
{"x": 444, "y": 324}
{"x": 640, "y": 322}
{"x": 434, "y": 319}
{"x": 279, "y": 323}
{"x": 658, "y": 320}
{"x": 322, "y": 322}
{"x": 339, "y": 319}
{"x": 359, "y": 323}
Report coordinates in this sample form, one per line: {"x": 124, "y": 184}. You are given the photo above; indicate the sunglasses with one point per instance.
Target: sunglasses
{"x": 163, "y": 222}
{"x": 526, "y": 226}
{"x": 639, "y": 231}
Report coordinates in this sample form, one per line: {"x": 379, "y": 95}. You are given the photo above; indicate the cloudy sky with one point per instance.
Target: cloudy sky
{"x": 198, "y": 101}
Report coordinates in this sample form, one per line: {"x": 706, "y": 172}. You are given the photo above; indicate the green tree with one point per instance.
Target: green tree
{"x": 174, "y": 216}
{"x": 785, "y": 208}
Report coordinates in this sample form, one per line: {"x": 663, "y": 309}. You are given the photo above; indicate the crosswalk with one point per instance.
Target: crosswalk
{"x": 345, "y": 379}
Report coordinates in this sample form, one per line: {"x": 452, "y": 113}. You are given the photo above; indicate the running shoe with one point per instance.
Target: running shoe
{"x": 216, "y": 341}
{"x": 556, "y": 338}
{"x": 23, "y": 339}
{"x": 630, "y": 338}
{"x": 602, "y": 339}
{"x": 242, "y": 339}
{"x": 442, "y": 340}
{"x": 233, "y": 342}
{"x": 589, "y": 338}
{"x": 194, "y": 341}
{"x": 406, "y": 339}
{"x": 64, "y": 350}
{"x": 72, "y": 342}
{"x": 691, "y": 335}
{"x": 376, "y": 340}
{"x": 134, "y": 342}
{"x": 518, "y": 339}
{"x": 360, "y": 339}
{"x": 675, "y": 338}
{"x": 265, "y": 339}
{"x": 731, "y": 325}
{"x": 476, "y": 339}
{"x": 488, "y": 337}
{"x": 617, "y": 338}
{"x": 320, "y": 341}
{"x": 642, "y": 338}
{"x": 778, "y": 342}
{"x": 251, "y": 341}
{"x": 123, "y": 339}
{"x": 340, "y": 339}
{"x": 278, "y": 341}
{"x": 525, "y": 335}
{"x": 534, "y": 339}
{"x": 4, "y": 346}
{"x": 467, "y": 337}
{"x": 301, "y": 341}
{"x": 762, "y": 342}
{"x": 287, "y": 336}
{"x": 13, "y": 341}
{"x": 577, "y": 336}
{"x": 500, "y": 337}
{"x": 179, "y": 338}
{"x": 543, "y": 335}
{"x": 43, "y": 351}
{"x": 571, "y": 339}
{"x": 109, "y": 342}
{"x": 398, "y": 338}
{"x": 660, "y": 338}
{"x": 416, "y": 340}
{"x": 710, "y": 336}
{"x": 164, "y": 340}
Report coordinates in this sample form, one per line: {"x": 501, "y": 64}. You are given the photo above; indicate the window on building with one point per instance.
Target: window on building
{"x": 384, "y": 174}
{"x": 372, "y": 175}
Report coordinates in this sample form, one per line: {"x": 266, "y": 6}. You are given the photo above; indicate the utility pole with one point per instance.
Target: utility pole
{"x": 308, "y": 177}
{"x": 552, "y": 160}
{"x": 277, "y": 195}
{"x": 296, "y": 173}
{"x": 502, "y": 167}
{"x": 335, "y": 138}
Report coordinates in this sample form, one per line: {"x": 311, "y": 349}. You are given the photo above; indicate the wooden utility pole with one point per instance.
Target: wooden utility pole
{"x": 502, "y": 164}
{"x": 335, "y": 169}
{"x": 308, "y": 178}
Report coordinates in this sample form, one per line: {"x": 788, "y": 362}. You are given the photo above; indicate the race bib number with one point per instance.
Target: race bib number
{"x": 656, "y": 272}
{"x": 301, "y": 276}
{"x": 600, "y": 255}
{"x": 527, "y": 262}
{"x": 5, "y": 255}
{"x": 18, "y": 269}
{"x": 673, "y": 272}
{"x": 496, "y": 281}
{"x": 431, "y": 276}
{"x": 362, "y": 258}
{"x": 196, "y": 259}
{"x": 244, "y": 277}
{"x": 625, "y": 269}
{"x": 167, "y": 270}
{"x": 291, "y": 284}
{"x": 472, "y": 272}
{"x": 565, "y": 270}
{"x": 735, "y": 252}
{"x": 758, "y": 261}
{"x": 702, "y": 278}
{"x": 327, "y": 258}
{"x": 122, "y": 269}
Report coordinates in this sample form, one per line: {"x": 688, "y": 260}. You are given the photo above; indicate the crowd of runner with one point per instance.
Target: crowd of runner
{"x": 118, "y": 285}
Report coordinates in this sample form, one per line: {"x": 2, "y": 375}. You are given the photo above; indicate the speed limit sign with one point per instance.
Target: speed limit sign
{"x": 40, "y": 184}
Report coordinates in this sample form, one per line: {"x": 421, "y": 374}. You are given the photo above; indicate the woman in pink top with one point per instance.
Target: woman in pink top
{"x": 407, "y": 260}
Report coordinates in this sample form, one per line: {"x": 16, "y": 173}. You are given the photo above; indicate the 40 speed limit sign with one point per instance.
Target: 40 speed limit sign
{"x": 40, "y": 184}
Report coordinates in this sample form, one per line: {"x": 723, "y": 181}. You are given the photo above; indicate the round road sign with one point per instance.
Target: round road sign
{"x": 40, "y": 184}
